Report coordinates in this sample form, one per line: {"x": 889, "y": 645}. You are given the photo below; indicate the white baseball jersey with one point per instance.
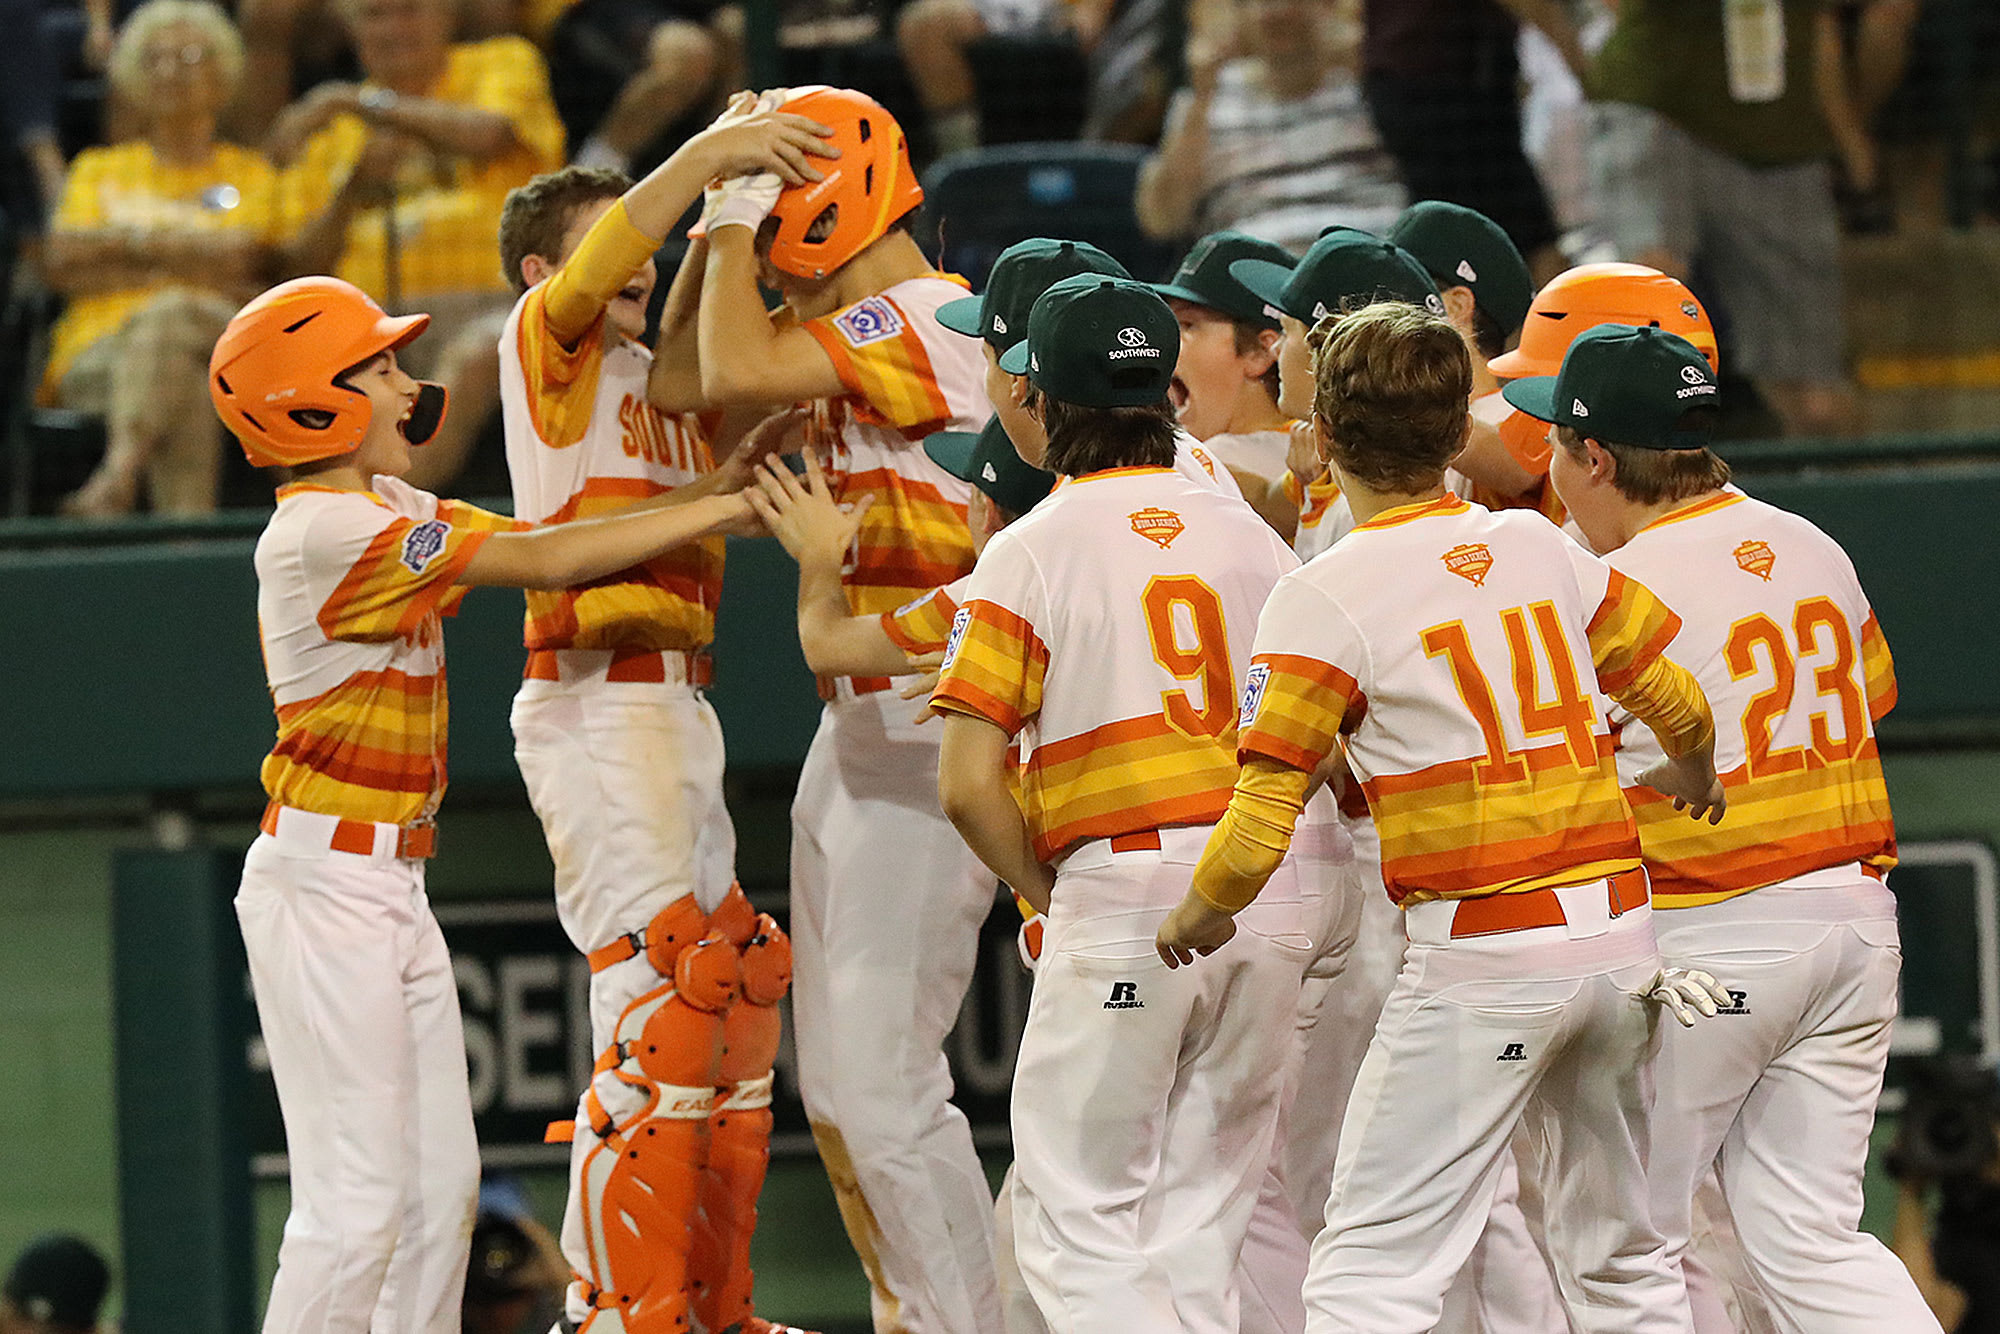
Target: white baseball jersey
{"x": 1194, "y": 461}
{"x": 1259, "y": 453}
{"x": 1460, "y": 654}
{"x": 1324, "y": 514}
{"x": 1108, "y": 630}
{"x": 1777, "y": 630}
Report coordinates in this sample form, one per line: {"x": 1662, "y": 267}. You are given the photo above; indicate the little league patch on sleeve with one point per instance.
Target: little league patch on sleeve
{"x": 1254, "y": 682}
{"x": 422, "y": 544}
{"x": 868, "y": 321}
{"x": 958, "y": 624}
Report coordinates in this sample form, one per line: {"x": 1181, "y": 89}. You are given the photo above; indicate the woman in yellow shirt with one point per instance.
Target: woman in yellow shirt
{"x": 156, "y": 241}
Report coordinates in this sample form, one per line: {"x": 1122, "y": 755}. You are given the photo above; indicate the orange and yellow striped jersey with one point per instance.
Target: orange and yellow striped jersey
{"x": 923, "y": 624}
{"x": 1460, "y": 655}
{"x": 1324, "y": 518}
{"x": 583, "y": 441}
{"x": 350, "y": 586}
{"x": 906, "y": 376}
{"x": 1107, "y": 632}
{"x": 1781, "y": 637}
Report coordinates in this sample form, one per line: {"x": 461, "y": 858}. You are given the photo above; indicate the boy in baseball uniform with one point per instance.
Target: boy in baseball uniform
{"x": 884, "y": 942}
{"x": 1102, "y": 635}
{"x": 353, "y": 984}
{"x": 1785, "y": 900}
{"x": 620, "y": 751}
{"x": 1463, "y": 691}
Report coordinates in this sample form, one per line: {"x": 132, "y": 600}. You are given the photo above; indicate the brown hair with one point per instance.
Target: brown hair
{"x": 1250, "y": 338}
{"x": 1391, "y": 387}
{"x": 1086, "y": 440}
{"x": 1653, "y": 476}
{"x": 538, "y": 215}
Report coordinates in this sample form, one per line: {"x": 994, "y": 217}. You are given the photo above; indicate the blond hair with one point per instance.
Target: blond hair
{"x": 1391, "y": 387}
{"x": 128, "y": 57}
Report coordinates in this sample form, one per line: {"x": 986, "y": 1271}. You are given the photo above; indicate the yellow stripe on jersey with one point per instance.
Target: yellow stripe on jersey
{"x": 1303, "y": 705}
{"x": 373, "y": 746}
{"x": 1123, "y": 777}
{"x": 923, "y": 624}
{"x": 912, "y": 538}
{"x": 668, "y": 602}
{"x": 1878, "y": 670}
{"x": 996, "y": 670}
{"x": 881, "y": 359}
{"x": 1312, "y": 500}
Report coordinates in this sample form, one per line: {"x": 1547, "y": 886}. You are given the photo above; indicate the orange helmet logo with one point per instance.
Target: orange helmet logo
{"x": 1471, "y": 562}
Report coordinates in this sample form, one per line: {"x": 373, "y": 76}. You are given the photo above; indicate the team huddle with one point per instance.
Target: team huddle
{"x": 1357, "y": 891}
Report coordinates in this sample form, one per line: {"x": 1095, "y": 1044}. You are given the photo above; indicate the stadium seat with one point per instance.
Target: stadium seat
{"x": 977, "y": 204}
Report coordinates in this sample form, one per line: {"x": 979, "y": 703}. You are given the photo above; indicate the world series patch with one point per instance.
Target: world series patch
{"x": 1254, "y": 682}
{"x": 422, "y": 544}
{"x": 958, "y": 624}
{"x": 868, "y": 321}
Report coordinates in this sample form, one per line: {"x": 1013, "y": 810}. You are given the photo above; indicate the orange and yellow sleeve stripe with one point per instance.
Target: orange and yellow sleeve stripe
{"x": 1629, "y": 629}
{"x": 922, "y": 625}
{"x": 668, "y": 602}
{"x": 1878, "y": 670}
{"x": 997, "y": 671}
{"x": 1300, "y": 705}
{"x": 892, "y": 378}
{"x": 407, "y": 572}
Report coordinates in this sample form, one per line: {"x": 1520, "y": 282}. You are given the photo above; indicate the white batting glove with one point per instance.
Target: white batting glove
{"x": 1683, "y": 991}
{"x": 745, "y": 201}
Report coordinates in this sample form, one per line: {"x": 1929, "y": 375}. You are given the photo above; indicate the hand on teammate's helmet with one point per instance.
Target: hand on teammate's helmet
{"x": 1683, "y": 991}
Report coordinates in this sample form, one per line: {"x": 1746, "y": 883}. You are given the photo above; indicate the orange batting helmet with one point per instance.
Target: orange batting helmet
{"x": 273, "y": 374}
{"x": 868, "y": 187}
{"x": 1594, "y": 294}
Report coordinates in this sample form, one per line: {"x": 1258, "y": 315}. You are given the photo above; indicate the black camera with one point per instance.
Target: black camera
{"x": 1947, "y": 1128}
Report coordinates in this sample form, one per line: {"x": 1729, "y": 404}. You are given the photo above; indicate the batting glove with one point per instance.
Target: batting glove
{"x": 744, "y": 201}
{"x": 1683, "y": 991}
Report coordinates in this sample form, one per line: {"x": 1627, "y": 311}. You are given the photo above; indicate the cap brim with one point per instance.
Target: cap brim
{"x": 1265, "y": 279}
{"x": 1014, "y": 360}
{"x": 1516, "y": 365}
{"x": 1535, "y": 396}
{"x": 1170, "y": 292}
{"x": 962, "y": 315}
{"x": 952, "y": 451}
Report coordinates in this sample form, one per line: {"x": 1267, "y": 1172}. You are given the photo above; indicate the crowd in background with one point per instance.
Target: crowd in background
{"x": 170, "y": 159}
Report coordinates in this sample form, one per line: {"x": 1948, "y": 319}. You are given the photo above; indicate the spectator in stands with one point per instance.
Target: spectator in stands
{"x": 1442, "y": 81}
{"x": 1270, "y": 137}
{"x": 670, "y": 58}
{"x": 1711, "y": 152}
{"x": 936, "y": 37}
{"x": 156, "y": 241}
{"x": 396, "y": 185}
{"x": 56, "y": 1286}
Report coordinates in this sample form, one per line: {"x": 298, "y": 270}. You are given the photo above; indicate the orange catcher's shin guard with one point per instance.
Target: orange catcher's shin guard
{"x": 740, "y": 1135}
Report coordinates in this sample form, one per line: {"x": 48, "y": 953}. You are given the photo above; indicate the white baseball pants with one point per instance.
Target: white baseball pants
{"x": 360, "y": 1015}
{"x": 1146, "y": 1098}
{"x": 1779, "y": 1091}
{"x": 887, "y": 902}
{"x": 1483, "y": 1034}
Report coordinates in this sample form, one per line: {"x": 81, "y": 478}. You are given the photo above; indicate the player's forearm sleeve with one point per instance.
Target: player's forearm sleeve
{"x": 605, "y": 260}
{"x": 1668, "y": 699}
{"x": 1253, "y": 835}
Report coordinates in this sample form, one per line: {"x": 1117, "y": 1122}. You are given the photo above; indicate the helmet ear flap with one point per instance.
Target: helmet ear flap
{"x": 427, "y": 414}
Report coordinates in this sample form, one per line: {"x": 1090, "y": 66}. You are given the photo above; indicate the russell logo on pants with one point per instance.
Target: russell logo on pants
{"x": 1124, "y": 996}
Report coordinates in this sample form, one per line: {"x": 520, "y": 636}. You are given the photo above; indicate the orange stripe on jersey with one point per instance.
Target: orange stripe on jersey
{"x": 1300, "y": 707}
{"x": 921, "y": 625}
{"x": 1878, "y": 669}
{"x": 1778, "y": 826}
{"x": 372, "y": 748}
{"x": 668, "y": 602}
{"x": 1402, "y": 514}
{"x": 378, "y": 599}
{"x": 890, "y": 379}
{"x": 1137, "y": 773}
{"x": 561, "y": 381}
{"x": 996, "y": 671}
{"x": 1313, "y": 501}
{"x": 1628, "y": 630}
{"x": 912, "y": 538}
{"x": 1706, "y": 505}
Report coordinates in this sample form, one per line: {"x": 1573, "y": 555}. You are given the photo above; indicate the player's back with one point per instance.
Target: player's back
{"x": 1777, "y": 629}
{"x": 1141, "y": 590}
{"x": 1461, "y": 638}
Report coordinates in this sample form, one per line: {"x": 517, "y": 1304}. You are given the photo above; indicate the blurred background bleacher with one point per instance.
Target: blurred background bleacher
{"x": 134, "y": 709}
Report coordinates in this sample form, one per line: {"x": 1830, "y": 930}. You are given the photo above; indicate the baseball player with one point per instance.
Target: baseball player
{"x": 353, "y": 984}
{"x": 884, "y": 943}
{"x": 1462, "y": 691}
{"x": 1786, "y": 898}
{"x": 1226, "y": 383}
{"x": 622, "y": 755}
{"x": 1099, "y": 633}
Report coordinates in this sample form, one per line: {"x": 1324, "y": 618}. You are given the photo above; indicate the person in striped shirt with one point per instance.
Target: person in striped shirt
{"x": 1457, "y": 658}
{"x": 353, "y": 984}
{"x": 886, "y": 900}
{"x": 1785, "y": 899}
{"x": 1103, "y": 635}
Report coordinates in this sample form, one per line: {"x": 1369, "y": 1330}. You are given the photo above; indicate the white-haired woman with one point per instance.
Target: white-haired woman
{"x": 156, "y": 242}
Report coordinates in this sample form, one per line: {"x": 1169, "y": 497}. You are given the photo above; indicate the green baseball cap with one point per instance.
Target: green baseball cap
{"x": 1625, "y": 385}
{"x": 1346, "y": 266}
{"x": 1023, "y": 272}
{"x": 1461, "y": 247}
{"x": 1100, "y": 342}
{"x": 1204, "y": 278}
{"x": 987, "y": 459}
